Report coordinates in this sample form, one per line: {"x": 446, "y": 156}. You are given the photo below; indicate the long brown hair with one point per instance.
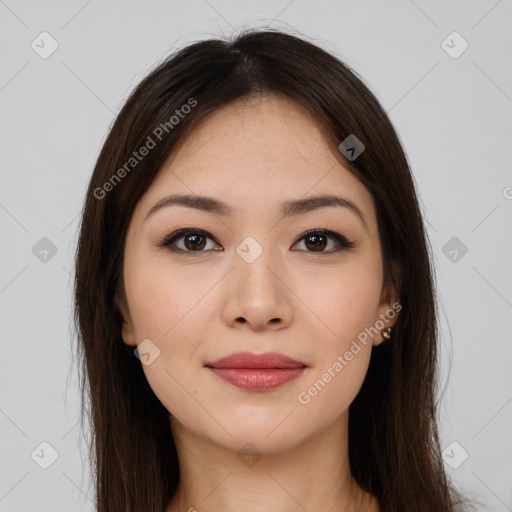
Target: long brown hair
{"x": 393, "y": 437}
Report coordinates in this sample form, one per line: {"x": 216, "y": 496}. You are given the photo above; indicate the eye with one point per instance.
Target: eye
{"x": 195, "y": 241}
{"x": 317, "y": 240}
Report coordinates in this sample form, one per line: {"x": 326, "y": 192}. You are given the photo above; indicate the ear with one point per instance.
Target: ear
{"x": 127, "y": 330}
{"x": 389, "y": 307}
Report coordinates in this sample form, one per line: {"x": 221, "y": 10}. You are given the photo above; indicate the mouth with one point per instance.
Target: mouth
{"x": 257, "y": 372}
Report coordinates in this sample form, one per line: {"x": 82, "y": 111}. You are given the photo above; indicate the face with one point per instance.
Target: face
{"x": 253, "y": 279}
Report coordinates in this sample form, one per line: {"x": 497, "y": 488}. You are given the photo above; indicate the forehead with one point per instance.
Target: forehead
{"x": 257, "y": 152}
{"x": 269, "y": 131}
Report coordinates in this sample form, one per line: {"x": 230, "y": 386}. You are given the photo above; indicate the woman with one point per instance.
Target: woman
{"x": 254, "y": 293}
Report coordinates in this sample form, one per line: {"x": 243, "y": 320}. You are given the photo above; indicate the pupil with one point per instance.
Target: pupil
{"x": 316, "y": 242}
{"x": 194, "y": 245}
{"x": 318, "y": 245}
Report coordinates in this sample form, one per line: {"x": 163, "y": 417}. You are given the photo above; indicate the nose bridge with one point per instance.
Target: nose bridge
{"x": 257, "y": 292}
{"x": 257, "y": 263}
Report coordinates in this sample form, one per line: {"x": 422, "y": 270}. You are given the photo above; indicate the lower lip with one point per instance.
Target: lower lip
{"x": 260, "y": 379}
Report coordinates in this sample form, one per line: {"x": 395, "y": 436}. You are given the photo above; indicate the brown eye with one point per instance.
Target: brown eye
{"x": 317, "y": 240}
{"x": 194, "y": 241}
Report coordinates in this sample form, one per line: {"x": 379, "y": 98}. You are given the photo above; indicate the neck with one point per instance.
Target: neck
{"x": 314, "y": 475}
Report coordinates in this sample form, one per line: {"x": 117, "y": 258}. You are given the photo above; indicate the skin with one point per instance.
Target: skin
{"x": 310, "y": 306}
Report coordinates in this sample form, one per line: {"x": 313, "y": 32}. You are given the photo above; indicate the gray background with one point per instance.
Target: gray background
{"x": 454, "y": 116}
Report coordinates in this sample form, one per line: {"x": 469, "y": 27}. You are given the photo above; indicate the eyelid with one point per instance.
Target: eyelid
{"x": 181, "y": 233}
{"x": 168, "y": 240}
{"x": 342, "y": 240}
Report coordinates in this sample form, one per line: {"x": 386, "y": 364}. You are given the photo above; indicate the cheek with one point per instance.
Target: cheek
{"x": 329, "y": 393}
{"x": 164, "y": 306}
{"x": 345, "y": 301}
{"x": 161, "y": 300}
{"x": 346, "y": 308}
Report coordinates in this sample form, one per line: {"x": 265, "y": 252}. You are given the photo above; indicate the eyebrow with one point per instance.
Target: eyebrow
{"x": 288, "y": 208}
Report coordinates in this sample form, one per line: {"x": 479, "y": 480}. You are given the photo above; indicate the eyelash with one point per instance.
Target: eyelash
{"x": 183, "y": 233}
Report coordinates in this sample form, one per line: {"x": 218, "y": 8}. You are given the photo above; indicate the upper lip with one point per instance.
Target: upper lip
{"x": 250, "y": 360}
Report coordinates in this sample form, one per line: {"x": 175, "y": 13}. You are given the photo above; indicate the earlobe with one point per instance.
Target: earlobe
{"x": 388, "y": 313}
{"x": 127, "y": 335}
{"x": 126, "y": 329}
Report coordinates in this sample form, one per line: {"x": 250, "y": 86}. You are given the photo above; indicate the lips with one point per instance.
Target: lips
{"x": 269, "y": 360}
{"x": 257, "y": 372}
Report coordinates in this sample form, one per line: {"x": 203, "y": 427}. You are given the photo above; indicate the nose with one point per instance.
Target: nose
{"x": 257, "y": 295}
